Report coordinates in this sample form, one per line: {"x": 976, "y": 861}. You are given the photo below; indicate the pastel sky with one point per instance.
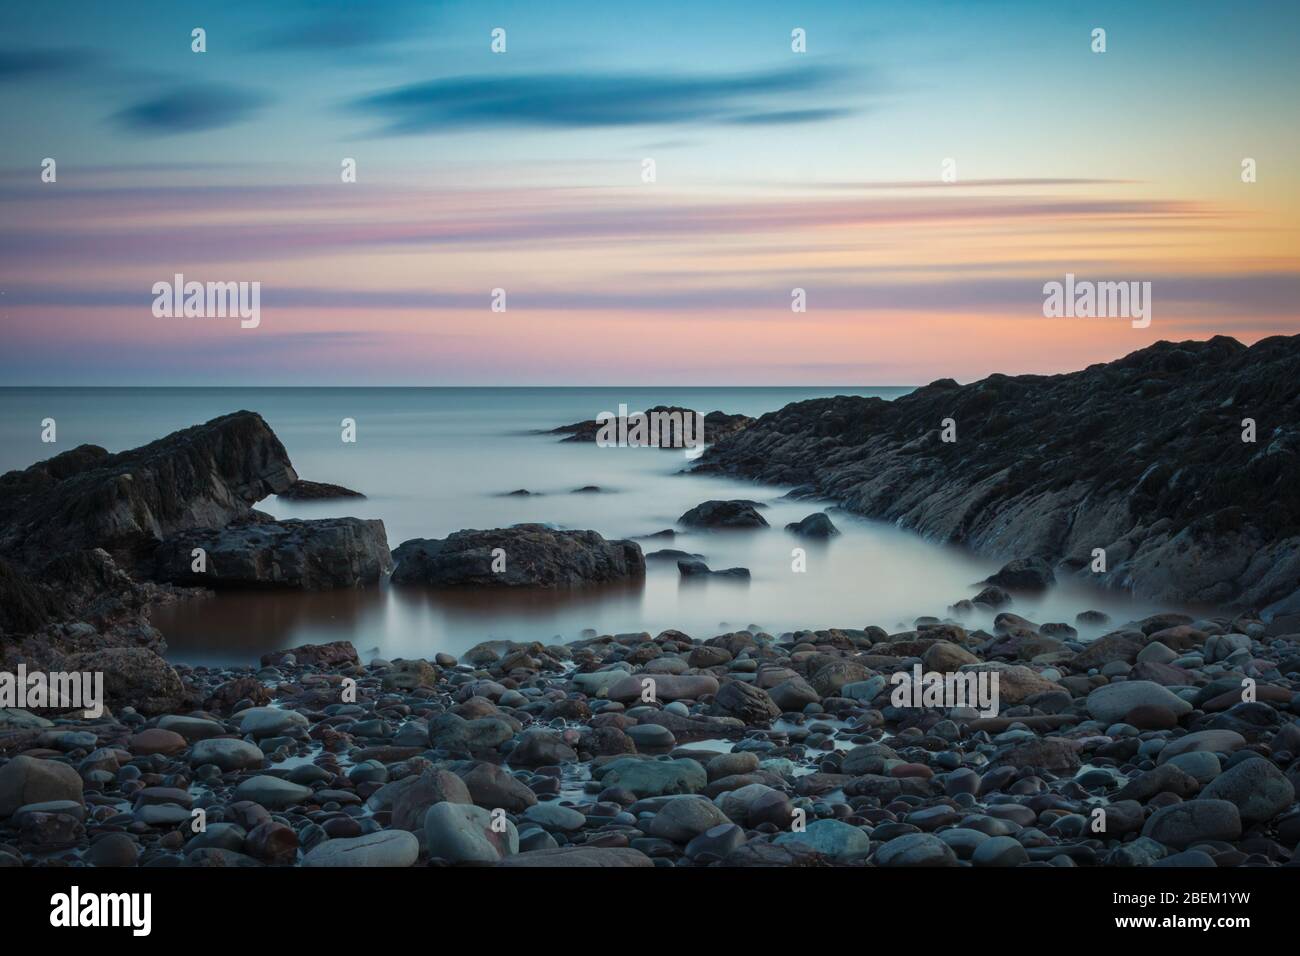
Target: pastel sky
{"x": 523, "y": 171}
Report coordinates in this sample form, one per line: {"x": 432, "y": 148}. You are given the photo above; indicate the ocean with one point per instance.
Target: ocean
{"x": 436, "y": 460}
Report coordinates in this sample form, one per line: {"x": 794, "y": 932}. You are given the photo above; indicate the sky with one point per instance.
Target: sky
{"x": 920, "y": 171}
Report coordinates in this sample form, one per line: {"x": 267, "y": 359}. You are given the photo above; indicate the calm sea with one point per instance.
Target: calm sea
{"x": 432, "y": 461}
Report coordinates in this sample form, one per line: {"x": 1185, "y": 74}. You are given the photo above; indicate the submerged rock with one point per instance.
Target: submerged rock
{"x": 302, "y": 490}
{"x": 724, "y": 514}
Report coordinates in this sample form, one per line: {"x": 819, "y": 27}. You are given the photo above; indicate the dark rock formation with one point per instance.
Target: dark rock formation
{"x": 717, "y": 425}
{"x": 672, "y": 554}
{"x": 724, "y": 514}
{"x": 1023, "y": 574}
{"x": 1143, "y": 457}
{"x": 533, "y": 556}
{"x": 307, "y": 555}
{"x": 202, "y": 477}
{"x": 82, "y": 534}
{"x": 694, "y": 568}
{"x": 302, "y": 490}
{"x": 816, "y": 525}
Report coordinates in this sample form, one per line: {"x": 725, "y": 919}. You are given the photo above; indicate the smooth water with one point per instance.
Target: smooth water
{"x": 433, "y": 461}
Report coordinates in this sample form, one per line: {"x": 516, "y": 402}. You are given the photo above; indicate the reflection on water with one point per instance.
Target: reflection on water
{"x": 434, "y": 461}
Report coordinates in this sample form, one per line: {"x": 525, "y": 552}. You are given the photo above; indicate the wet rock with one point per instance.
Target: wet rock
{"x": 491, "y": 786}
{"x": 833, "y": 839}
{"x": 745, "y": 702}
{"x": 387, "y": 848}
{"x": 313, "y": 555}
{"x": 133, "y": 676}
{"x": 416, "y": 794}
{"x": 1024, "y": 574}
{"x": 271, "y": 792}
{"x": 580, "y": 856}
{"x": 467, "y": 834}
{"x": 539, "y": 748}
{"x": 1109, "y": 704}
{"x": 816, "y": 525}
{"x": 683, "y": 818}
{"x": 724, "y": 514}
{"x": 915, "y": 849}
{"x": 1257, "y": 788}
{"x": 25, "y": 780}
{"x": 534, "y": 556}
{"x": 1195, "y": 821}
{"x": 653, "y": 778}
{"x": 227, "y": 754}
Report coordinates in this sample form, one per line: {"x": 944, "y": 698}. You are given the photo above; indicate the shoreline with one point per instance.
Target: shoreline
{"x": 741, "y": 733}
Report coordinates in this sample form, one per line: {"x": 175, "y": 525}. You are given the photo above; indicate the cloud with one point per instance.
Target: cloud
{"x": 574, "y": 100}
{"x": 756, "y": 297}
{"x": 19, "y": 63}
{"x": 192, "y": 109}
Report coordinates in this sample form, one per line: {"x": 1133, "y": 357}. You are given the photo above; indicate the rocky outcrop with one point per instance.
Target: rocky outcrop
{"x": 717, "y": 425}
{"x": 304, "y": 555}
{"x": 1143, "y": 457}
{"x": 202, "y": 477}
{"x": 526, "y": 555}
{"x": 83, "y": 534}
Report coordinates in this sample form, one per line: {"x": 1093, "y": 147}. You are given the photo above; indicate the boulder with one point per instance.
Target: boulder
{"x": 314, "y": 555}
{"x": 816, "y": 525}
{"x": 1109, "y": 704}
{"x": 25, "y": 780}
{"x": 133, "y": 676}
{"x": 530, "y": 555}
{"x": 386, "y": 848}
{"x": 724, "y": 514}
{"x": 1256, "y": 787}
{"x": 460, "y": 833}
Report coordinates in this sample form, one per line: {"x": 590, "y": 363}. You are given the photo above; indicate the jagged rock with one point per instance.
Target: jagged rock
{"x": 534, "y": 556}
{"x": 1034, "y": 471}
{"x": 201, "y": 477}
{"x": 308, "y": 555}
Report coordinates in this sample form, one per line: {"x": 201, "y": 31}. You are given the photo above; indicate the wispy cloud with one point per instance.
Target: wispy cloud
{"x": 16, "y": 64}
{"x": 573, "y": 100}
{"x": 192, "y": 109}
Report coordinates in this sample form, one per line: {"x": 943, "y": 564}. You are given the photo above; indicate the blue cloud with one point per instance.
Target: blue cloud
{"x": 572, "y": 100}
{"x": 19, "y": 63}
{"x": 192, "y": 109}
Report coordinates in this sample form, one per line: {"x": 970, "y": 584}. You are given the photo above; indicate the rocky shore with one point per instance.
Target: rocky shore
{"x": 743, "y": 749}
{"x": 1180, "y": 461}
{"x": 1168, "y": 741}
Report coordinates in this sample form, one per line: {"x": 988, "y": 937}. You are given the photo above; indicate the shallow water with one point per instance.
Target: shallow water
{"x": 433, "y": 461}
